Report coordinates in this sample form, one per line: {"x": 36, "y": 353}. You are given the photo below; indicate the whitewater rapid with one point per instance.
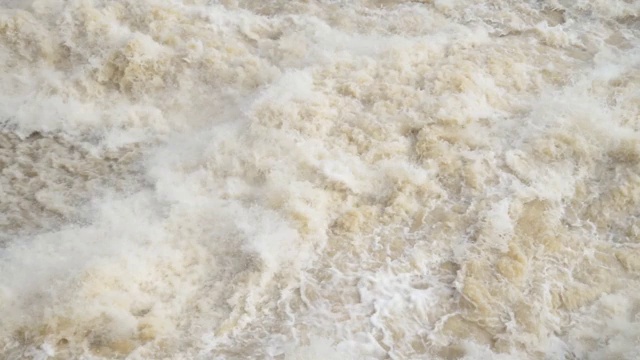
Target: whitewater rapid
{"x": 367, "y": 179}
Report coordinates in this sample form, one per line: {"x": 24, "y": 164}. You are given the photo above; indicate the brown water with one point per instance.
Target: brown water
{"x": 319, "y": 179}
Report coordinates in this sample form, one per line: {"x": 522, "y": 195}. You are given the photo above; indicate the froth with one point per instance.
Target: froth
{"x": 320, "y": 180}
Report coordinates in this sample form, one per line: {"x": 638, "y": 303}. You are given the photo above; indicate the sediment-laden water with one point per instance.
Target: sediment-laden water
{"x": 439, "y": 179}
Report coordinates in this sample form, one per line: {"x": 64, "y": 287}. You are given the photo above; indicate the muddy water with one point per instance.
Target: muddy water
{"x": 319, "y": 179}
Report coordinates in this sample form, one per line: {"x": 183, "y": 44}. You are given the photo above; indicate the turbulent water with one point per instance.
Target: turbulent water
{"x": 235, "y": 179}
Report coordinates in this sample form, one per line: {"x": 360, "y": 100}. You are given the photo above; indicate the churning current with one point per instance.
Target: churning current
{"x": 319, "y": 179}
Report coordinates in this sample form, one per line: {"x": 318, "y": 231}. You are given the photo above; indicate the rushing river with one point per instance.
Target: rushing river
{"x": 315, "y": 179}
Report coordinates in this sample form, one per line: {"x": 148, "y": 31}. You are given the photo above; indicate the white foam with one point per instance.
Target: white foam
{"x": 318, "y": 180}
